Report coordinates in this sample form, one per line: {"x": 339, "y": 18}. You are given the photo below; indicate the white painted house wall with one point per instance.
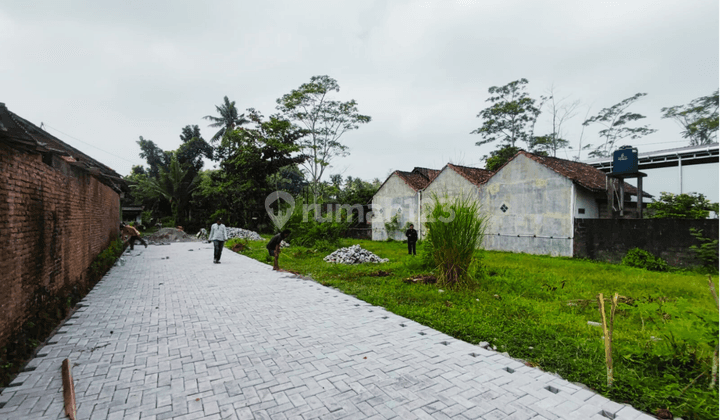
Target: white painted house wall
{"x": 539, "y": 216}
{"x": 585, "y": 199}
{"x": 448, "y": 185}
{"x": 394, "y": 197}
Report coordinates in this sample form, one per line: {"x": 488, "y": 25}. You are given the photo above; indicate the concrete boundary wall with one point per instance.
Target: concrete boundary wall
{"x": 54, "y": 220}
{"x": 610, "y": 239}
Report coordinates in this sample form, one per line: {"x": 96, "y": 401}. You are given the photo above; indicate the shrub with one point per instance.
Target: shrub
{"x": 312, "y": 233}
{"x": 707, "y": 252}
{"x": 452, "y": 238}
{"x": 146, "y": 218}
{"x": 640, "y": 258}
{"x": 392, "y": 226}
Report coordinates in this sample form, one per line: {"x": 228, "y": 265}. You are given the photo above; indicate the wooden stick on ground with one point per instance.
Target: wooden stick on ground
{"x": 715, "y": 354}
{"x": 608, "y": 330}
{"x": 68, "y": 390}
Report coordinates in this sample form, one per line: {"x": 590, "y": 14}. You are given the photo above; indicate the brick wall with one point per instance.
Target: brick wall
{"x": 670, "y": 239}
{"x": 54, "y": 220}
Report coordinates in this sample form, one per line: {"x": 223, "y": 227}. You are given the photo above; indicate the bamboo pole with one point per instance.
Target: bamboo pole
{"x": 68, "y": 390}
{"x": 713, "y": 379}
{"x": 608, "y": 330}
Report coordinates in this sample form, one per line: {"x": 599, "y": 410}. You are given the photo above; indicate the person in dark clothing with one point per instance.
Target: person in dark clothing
{"x": 273, "y": 246}
{"x": 412, "y": 237}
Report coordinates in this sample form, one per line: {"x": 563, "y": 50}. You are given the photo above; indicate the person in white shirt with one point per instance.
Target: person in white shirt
{"x": 218, "y": 236}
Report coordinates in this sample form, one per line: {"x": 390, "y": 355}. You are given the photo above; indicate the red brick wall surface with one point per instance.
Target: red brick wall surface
{"x": 54, "y": 220}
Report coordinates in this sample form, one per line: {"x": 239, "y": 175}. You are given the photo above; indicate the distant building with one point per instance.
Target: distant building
{"x": 532, "y": 201}
{"x": 680, "y": 170}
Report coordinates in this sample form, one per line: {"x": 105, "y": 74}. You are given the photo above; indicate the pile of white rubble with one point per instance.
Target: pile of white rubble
{"x": 234, "y": 232}
{"x": 354, "y": 255}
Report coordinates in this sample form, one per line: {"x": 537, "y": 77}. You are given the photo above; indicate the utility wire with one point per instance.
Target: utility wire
{"x": 83, "y": 142}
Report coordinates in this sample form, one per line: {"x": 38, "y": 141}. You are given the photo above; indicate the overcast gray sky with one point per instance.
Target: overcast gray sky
{"x": 101, "y": 74}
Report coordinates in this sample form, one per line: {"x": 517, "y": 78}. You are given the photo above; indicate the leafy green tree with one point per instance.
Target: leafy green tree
{"x": 290, "y": 179}
{"x": 498, "y": 157}
{"x": 254, "y": 155}
{"x": 614, "y": 119}
{"x": 193, "y": 148}
{"x": 549, "y": 144}
{"x": 357, "y": 191}
{"x": 699, "y": 119}
{"x": 227, "y": 120}
{"x": 324, "y": 120}
{"x": 681, "y": 206}
{"x": 510, "y": 118}
{"x": 174, "y": 184}
{"x": 155, "y": 157}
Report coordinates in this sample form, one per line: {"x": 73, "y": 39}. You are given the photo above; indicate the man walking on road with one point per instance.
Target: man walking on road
{"x": 218, "y": 236}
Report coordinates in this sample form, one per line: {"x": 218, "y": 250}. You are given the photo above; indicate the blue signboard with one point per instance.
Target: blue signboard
{"x": 625, "y": 160}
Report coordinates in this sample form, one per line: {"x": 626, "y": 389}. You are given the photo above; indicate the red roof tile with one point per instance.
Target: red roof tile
{"x": 582, "y": 174}
{"x": 476, "y": 176}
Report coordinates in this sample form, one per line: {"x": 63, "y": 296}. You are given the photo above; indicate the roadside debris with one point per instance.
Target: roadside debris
{"x": 165, "y": 235}
{"x": 353, "y": 255}
{"x": 234, "y": 232}
{"x": 424, "y": 279}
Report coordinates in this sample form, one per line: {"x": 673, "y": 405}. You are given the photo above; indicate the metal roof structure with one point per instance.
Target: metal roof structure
{"x": 682, "y": 156}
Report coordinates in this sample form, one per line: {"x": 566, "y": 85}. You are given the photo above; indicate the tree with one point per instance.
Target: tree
{"x": 228, "y": 119}
{"x": 614, "y": 120}
{"x": 510, "y": 118}
{"x": 325, "y": 121}
{"x": 155, "y": 157}
{"x": 560, "y": 111}
{"x": 699, "y": 119}
{"x": 193, "y": 148}
{"x": 499, "y": 156}
{"x": 174, "y": 184}
{"x": 681, "y": 206}
{"x": 255, "y": 156}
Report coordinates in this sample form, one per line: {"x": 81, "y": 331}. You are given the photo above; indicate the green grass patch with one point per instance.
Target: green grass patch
{"x": 537, "y": 308}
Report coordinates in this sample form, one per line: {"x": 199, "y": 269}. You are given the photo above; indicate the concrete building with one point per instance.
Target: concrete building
{"x": 398, "y": 201}
{"x": 531, "y": 201}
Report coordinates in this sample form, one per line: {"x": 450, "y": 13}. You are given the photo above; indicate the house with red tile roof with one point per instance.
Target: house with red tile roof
{"x": 531, "y": 202}
{"x": 397, "y": 202}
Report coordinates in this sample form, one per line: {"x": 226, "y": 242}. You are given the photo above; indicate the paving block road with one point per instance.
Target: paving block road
{"x": 170, "y": 335}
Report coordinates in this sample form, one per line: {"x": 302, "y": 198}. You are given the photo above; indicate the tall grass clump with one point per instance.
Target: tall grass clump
{"x": 455, "y": 229}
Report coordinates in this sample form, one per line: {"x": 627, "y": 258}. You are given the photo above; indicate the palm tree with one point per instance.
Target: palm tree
{"x": 173, "y": 184}
{"x": 228, "y": 119}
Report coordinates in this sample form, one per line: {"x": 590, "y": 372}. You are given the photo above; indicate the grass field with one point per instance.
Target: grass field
{"x": 537, "y": 308}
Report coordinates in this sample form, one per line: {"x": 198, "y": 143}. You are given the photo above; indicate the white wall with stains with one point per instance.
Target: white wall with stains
{"x": 394, "y": 198}
{"x": 538, "y": 209}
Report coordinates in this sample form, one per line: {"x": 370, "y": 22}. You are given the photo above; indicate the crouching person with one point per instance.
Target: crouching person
{"x": 133, "y": 235}
{"x": 273, "y": 246}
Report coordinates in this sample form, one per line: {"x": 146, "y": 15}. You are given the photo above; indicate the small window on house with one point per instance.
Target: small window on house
{"x": 581, "y": 211}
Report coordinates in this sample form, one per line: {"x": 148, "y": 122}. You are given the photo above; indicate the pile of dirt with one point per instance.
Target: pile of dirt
{"x": 167, "y": 235}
